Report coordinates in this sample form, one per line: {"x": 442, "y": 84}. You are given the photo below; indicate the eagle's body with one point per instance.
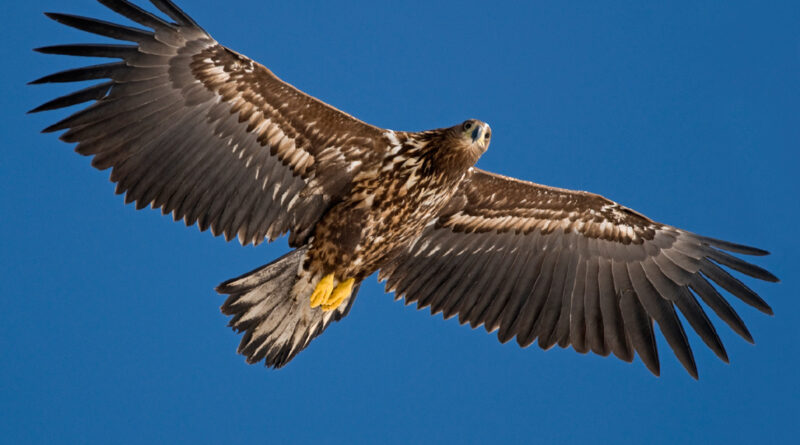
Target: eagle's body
{"x": 391, "y": 202}
{"x": 215, "y": 139}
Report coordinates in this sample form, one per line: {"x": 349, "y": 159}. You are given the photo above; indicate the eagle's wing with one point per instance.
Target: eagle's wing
{"x": 571, "y": 268}
{"x": 204, "y": 133}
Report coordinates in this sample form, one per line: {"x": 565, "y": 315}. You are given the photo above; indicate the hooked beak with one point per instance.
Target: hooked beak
{"x": 477, "y": 133}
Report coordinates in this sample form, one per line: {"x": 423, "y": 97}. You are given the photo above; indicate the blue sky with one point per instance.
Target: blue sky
{"x": 686, "y": 111}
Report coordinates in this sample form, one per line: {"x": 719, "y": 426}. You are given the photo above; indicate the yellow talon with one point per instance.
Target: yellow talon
{"x": 322, "y": 292}
{"x": 339, "y": 295}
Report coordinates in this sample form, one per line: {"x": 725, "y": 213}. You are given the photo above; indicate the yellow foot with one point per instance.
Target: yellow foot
{"x": 339, "y": 295}
{"x": 322, "y": 292}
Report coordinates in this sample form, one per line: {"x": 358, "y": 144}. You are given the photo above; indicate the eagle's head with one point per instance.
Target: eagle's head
{"x": 475, "y": 133}
{"x": 472, "y": 136}
{"x": 458, "y": 147}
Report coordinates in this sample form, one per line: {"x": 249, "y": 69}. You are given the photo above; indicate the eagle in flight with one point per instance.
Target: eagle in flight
{"x": 202, "y": 132}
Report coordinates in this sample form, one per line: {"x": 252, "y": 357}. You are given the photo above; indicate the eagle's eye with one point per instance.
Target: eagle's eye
{"x": 467, "y": 125}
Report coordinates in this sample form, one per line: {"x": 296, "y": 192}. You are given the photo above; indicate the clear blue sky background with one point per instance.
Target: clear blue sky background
{"x": 686, "y": 111}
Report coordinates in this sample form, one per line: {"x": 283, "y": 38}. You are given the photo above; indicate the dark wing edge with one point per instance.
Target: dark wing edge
{"x": 572, "y": 268}
{"x": 204, "y": 133}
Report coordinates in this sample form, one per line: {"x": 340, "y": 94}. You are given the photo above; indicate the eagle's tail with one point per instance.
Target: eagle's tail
{"x": 271, "y": 306}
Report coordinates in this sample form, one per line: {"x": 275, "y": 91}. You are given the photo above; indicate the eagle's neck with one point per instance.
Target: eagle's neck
{"x": 441, "y": 153}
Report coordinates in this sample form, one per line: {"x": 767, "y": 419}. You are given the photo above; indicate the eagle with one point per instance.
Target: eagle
{"x": 203, "y": 133}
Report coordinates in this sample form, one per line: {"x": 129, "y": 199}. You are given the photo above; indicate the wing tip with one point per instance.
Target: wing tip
{"x": 174, "y": 12}
{"x": 53, "y": 128}
{"x": 652, "y": 361}
{"x": 57, "y": 16}
{"x": 769, "y": 276}
{"x": 734, "y": 247}
{"x": 754, "y": 251}
{"x": 691, "y": 368}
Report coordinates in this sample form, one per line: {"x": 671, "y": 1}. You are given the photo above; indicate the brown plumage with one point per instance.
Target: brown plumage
{"x": 212, "y": 137}
{"x": 390, "y": 202}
